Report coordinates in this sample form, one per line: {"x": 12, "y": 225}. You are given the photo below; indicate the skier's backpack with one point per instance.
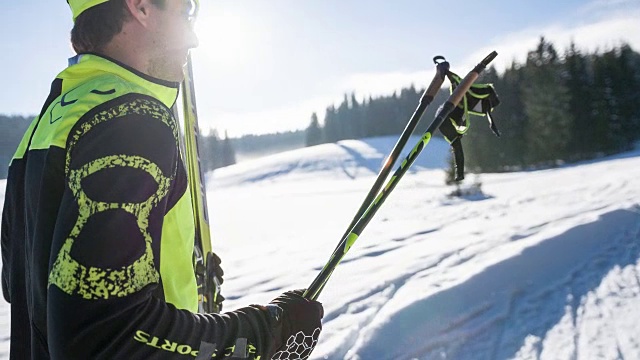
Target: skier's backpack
{"x": 480, "y": 100}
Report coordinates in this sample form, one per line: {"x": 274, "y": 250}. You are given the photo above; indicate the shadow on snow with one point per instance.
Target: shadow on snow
{"x": 490, "y": 315}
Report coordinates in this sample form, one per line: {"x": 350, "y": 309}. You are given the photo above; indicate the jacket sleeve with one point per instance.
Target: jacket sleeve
{"x": 105, "y": 288}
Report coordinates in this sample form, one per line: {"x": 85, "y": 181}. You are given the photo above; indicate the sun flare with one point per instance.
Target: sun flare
{"x": 225, "y": 37}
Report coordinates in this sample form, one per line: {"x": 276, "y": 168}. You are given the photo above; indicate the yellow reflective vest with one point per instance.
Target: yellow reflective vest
{"x": 97, "y": 228}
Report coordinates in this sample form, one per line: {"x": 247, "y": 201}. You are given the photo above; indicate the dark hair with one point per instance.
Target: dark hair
{"x": 96, "y": 26}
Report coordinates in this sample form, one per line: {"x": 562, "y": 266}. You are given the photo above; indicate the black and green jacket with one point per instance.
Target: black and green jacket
{"x": 97, "y": 229}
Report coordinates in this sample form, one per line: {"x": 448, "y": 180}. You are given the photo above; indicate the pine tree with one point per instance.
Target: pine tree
{"x": 582, "y": 97}
{"x": 357, "y": 118}
{"x": 330, "y": 125}
{"x": 605, "y": 117}
{"x": 513, "y": 120}
{"x": 210, "y": 151}
{"x": 228, "y": 153}
{"x": 546, "y": 100}
{"x": 626, "y": 90}
{"x": 345, "y": 126}
{"x": 314, "y": 132}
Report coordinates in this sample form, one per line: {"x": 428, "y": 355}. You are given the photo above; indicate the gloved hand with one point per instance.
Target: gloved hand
{"x": 215, "y": 261}
{"x": 207, "y": 277}
{"x": 216, "y": 270}
{"x": 299, "y": 322}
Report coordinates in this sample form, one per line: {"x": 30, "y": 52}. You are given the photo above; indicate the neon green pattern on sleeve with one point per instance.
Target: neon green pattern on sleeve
{"x": 102, "y": 283}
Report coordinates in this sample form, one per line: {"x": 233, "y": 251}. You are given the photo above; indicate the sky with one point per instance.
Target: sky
{"x": 538, "y": 265}
{"x": 266, "y": 66}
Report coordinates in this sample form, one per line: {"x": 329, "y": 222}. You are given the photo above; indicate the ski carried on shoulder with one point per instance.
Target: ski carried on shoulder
{"x": 204, "y": 259}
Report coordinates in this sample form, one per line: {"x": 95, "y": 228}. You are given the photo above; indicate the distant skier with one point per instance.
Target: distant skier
{"x": 97, "y": 226}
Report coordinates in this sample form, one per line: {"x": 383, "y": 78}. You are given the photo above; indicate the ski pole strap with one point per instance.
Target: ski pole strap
{"x": 479, "y": 100}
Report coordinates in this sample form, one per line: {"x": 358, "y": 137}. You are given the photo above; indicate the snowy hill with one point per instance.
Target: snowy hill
{"x": 347, "y": 159}
{"x": 545, "y": 265}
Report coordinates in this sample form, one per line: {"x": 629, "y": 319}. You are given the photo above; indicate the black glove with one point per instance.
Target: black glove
{"x": 299, "y": 322}
{"x": 214, "y": 261}
{"x": 205, "y": 277}
{"x": 216, "y": 267}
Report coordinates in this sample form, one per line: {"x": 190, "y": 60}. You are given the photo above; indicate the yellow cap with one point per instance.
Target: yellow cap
{"x": 78, "y": 6}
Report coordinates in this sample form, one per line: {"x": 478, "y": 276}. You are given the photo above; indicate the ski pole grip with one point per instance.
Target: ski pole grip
{"x": 488, "y": 59}
{"x": 441, "y": 73}
{"x": 468, "y": 80}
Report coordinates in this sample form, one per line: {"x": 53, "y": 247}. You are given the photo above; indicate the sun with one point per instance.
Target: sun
{"x": 233, "y": 39}
{"x": 226, "y": 36}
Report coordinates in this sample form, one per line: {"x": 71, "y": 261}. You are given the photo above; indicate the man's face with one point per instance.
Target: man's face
{"x": 171, "y": 36}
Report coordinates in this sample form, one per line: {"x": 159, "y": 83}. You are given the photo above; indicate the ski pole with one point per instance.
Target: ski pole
{"x": 427, "y": 97}
{"x": 442, "y": 68}
{"x": 208, "y": 284}
{"x": 313, "y": 291}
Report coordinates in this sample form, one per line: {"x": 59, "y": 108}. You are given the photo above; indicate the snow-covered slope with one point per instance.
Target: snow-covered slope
{"x": 542, "y": 265}
{"x": 347, "y": 159}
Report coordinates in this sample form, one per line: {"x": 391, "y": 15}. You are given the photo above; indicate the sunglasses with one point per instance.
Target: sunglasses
{"x": 191, "y": 9}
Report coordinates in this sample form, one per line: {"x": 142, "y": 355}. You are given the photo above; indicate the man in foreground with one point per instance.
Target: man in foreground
{"x": 97, "y": 226}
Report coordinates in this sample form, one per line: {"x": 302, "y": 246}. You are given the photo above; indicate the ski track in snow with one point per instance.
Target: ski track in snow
{"x": 542, "y": 265}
